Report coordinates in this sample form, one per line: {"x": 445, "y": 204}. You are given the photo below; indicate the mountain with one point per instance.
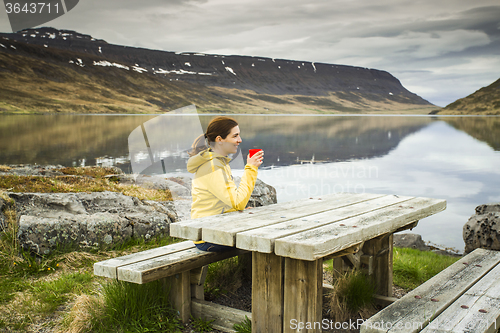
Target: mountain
{"x": 49, "y": 70}
{"x": 485, "y": 101}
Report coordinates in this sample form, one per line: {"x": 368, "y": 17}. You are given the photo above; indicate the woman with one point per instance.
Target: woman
{"x": 213, "y": 189}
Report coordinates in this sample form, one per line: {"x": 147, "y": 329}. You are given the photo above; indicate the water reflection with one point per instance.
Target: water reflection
{"x": 438, "y": 161}
{"x": 75, "y": 140}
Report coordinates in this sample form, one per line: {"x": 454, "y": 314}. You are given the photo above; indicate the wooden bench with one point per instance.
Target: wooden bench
{"x": 183, "y": 269}
{"x": 465, "y": 297}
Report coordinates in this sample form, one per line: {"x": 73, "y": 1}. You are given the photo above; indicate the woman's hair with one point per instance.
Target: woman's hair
{"x": 218, "y": 126}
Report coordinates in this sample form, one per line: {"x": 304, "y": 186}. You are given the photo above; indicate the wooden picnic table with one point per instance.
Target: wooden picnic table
{"x": 290, "y": 240}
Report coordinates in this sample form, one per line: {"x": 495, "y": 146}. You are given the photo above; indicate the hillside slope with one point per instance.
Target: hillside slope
{"x": 49, "y": 70}
{"x": 485, "y": 101}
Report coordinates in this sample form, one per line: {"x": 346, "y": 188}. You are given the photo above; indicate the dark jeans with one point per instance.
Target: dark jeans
{"x": 210, "y": 247}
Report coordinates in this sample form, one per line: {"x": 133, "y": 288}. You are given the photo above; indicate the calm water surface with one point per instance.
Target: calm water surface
{"x": 453, "y": 158}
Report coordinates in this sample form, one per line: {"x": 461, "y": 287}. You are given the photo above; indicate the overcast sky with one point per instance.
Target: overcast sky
{"x": 441, "y": 50}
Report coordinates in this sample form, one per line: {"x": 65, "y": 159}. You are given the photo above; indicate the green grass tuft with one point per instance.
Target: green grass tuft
{"x": 413, "y": 267}
{"x": 54, "y": 293}
{"x": 202, "y": 325}
{"x": 130, "y": 307}
{"x": 244, "y": 327}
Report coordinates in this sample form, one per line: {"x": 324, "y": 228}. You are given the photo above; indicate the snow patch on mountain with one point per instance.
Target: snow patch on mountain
{"x": 105, "y": 63}
{"x": 230, "y": 70}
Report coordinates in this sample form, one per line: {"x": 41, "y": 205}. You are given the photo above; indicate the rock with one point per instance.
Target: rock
{"x": 103, "y": 219}
{"x": 178, "y": 186}
{"x": 33, "y": 170}
{"x": 42, "y": 170}
{"x": 41, "y": 235}
{"x": 409, "y": 240}
{"x": 3, "y": 222}
{"x": 162, "y": 183}
{"x": 446, "y": 253}
{"x": 183, "y": 207}
{"x": 488, "y": 208}
{"x": 262, "y": 194}
{"x": 483, "y": 229}
{"x": 87, "y": 220}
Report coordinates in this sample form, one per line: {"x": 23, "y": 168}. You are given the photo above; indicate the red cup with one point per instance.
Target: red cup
{"x": 253, "y": 151}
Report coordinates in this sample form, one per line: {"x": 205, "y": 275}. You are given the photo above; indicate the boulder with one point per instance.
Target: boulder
{"x": 178, "y": 186}
{"x": 483, "y": 228}
{"x": 102, "y": 219}
{"x": 262, "y": 194}
{"x": 409, "y": 240}
{"x": 87, "y": 220}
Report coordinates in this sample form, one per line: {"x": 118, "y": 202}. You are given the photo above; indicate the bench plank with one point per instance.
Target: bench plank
{"x": 167, "y": 265}
{"x": 262, "y": 239}
{"x": 108, "y": 268}
{"x": 225, "y": 233}
{"x": 322, "y": 241}
{"x": 484, "y": 295}
{"x": 224, "y": 317}
{"x": 445, "y": 287}
{"x": 192, "y": 229}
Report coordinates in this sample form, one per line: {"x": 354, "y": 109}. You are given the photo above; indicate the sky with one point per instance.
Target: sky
{"x": 441, "y": 50}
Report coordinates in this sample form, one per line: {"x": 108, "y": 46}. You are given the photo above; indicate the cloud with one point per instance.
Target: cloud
{"x": 397, "y": 36}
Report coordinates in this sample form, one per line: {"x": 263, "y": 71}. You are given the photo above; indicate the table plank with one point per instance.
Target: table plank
{"x": 192, "y": 229}
{"x": 225, "y": 232}
{"x": 409, "y": 315}
{"x": 159, "y": 267}
{"x": 319, "y": 242}
{"x": 484, "y": 295}
{"x": 108, "y": 268}
{"x": 262, "y": 239}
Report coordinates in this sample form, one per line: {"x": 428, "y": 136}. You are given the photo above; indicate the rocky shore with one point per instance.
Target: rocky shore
{"x": 99, "y": 220}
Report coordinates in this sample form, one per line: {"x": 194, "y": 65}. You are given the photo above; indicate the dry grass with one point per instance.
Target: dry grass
{"x": 90, "y": 171}
{"x": 77, "y": 183}
{"x": 351, "y": 297}
{"x": 84, "y": 310}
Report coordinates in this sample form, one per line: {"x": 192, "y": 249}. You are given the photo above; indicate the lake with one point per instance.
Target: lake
{"x": 453, "y": 158}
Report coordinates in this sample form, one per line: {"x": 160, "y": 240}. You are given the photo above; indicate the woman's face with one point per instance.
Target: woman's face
{"x": 230, "y": 144}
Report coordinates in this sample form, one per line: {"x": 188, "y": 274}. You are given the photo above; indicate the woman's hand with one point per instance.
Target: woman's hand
{"x": 256, "y": 159}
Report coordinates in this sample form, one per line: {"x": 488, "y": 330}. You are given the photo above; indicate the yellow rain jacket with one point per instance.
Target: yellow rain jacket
{"x": 213, "y": 188}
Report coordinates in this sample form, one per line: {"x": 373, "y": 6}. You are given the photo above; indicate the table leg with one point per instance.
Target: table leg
{"x": 179, "y": 290}
{"x": 267, "y": 293}
{"x": 303, "y": 300}
{"x": 381, "y": 250}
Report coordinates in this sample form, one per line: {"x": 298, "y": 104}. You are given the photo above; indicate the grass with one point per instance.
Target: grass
{"x": 353, "y": 291}
{"x": 352, "y": 295}
{"x": 202, "y": 325}
{"x": 412, "y": 267}
{"x": 244, "y": 327}
{"x": 79, "y": 179}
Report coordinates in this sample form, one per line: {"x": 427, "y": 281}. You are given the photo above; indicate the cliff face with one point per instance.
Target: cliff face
{"x": 212, "y": 82}
{"x": 485, "y": 101}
